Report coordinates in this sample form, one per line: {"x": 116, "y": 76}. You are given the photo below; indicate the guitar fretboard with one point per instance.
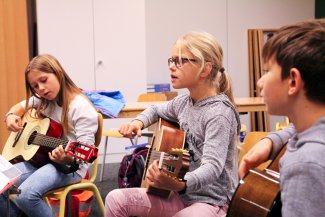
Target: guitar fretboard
{"x": 44, "y": 140}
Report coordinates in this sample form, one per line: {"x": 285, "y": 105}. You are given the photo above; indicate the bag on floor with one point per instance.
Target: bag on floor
{"x": 131, "y": 169}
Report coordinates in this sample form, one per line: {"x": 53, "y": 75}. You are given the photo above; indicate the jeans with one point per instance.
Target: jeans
{"x": 33, "y": 183}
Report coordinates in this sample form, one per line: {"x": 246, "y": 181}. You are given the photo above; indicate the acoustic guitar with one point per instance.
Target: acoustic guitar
{"x": 38, "y": 137}
{"x": 258, "y": 194}
{"x": 167, "y": 146}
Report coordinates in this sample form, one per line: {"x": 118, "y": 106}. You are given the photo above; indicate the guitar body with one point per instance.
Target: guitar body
{"x": 258, "y": 194}
{"x": 167, "y": 137}
{"x": 17, "y": 147}
{"x": 40, "y": 136}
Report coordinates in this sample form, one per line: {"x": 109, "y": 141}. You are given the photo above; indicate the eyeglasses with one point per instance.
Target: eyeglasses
{"x": 179, "y": 61}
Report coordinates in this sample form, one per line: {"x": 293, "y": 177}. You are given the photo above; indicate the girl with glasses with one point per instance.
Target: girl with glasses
{"x": 208, "y": 116}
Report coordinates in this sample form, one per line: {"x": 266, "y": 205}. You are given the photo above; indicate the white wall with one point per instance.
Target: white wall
{"x": 168, "y": 19}
{"x": 228, "y": 21}
{"x": 107, "y": 44}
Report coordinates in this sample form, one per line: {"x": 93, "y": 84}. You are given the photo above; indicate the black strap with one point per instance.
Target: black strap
{"x": 66, "y": 169}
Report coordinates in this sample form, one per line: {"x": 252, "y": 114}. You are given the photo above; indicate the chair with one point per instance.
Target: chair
{"x": 280, "y": 126}
{"x": 145, "y": 97}
{"x": 250, "y": 140}
{"x": 85, "y": 184}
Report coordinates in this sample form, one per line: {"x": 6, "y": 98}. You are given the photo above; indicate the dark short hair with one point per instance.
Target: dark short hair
{"x": 302, "y": 46}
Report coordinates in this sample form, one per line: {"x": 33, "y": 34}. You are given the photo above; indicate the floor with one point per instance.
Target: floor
{"x": 108, "y": 183}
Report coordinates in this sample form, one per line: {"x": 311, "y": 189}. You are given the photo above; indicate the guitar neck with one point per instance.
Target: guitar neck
{"x": 46, "y": 141}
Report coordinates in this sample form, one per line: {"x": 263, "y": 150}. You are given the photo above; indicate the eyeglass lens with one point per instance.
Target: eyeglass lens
{"x": 179, "y": 61}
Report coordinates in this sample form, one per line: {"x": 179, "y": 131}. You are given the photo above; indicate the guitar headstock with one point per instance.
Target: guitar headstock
{"x": 83, "y": 152}
{"x": 176, "y": 163}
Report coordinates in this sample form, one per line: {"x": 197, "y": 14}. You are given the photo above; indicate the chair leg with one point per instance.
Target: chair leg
{"x": 103, "y": 161}
{"x": 99, "y": 199}
{"x": 69, "y": 204}
{"x": 62, "y": 207}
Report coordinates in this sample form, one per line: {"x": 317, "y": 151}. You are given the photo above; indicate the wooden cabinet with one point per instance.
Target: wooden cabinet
{"x": 101, "y": 43}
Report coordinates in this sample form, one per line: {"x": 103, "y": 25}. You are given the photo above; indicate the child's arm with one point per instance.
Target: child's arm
{"x": 13, "y": 118}
{"x": 267, "y": 148}
{"x": 128, "y": 129}
{"x": 258, "y": 154}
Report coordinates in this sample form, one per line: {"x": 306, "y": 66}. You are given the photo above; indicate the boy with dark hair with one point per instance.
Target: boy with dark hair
{"x": 294, "y": 86}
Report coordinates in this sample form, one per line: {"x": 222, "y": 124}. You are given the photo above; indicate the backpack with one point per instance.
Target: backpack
{"x": 132, "y": 167}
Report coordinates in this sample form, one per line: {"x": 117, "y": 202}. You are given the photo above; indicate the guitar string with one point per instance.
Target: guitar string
{"x": 156, "y": 155}
{"x": 53, "y": 142}
{"x": 49, "y": 141}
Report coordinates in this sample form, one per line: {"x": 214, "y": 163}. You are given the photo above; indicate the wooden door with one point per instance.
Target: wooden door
{"x": 256, "y": 40}
{"x": 14, "y": 56}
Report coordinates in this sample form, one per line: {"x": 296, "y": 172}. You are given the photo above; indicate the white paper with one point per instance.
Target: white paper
{"x": 8, "y": 174}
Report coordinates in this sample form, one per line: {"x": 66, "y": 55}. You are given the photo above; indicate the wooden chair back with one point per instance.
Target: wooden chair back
{"x": 98, "y": 138}
{"x": 147, "y": 97}
{"x": 85, "y": 184}
{"x": 250, "y": 140}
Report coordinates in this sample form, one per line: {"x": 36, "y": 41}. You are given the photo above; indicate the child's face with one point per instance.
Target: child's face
{"x": 46, "y": 85}
{"x": 273, "y": 89}
{"x": 186, "y": 75}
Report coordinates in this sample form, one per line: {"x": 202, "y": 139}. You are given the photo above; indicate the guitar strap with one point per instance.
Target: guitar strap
{"x": 66, "y": 169}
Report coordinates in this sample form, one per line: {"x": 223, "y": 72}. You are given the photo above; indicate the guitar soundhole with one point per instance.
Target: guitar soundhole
{"x": 32, "y": 137}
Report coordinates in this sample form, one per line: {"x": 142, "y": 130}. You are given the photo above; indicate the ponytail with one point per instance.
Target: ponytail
{"x": 224, "y": 84}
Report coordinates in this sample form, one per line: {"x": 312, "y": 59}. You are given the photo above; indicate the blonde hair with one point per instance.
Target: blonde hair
{"x": 49, "y": 64}
{"x": 205, "y": 48}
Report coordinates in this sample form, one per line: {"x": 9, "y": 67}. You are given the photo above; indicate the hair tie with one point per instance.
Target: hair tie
{"x": 222, "y": 70}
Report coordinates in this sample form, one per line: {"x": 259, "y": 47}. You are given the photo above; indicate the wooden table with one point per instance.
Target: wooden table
{"x": 250, "y": 104}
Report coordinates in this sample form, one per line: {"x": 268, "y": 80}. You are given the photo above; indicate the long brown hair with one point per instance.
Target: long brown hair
{"x": 68, "y": 90}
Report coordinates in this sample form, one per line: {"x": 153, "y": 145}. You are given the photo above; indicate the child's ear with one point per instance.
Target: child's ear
{"x": 206, "y": 70}
{"x": 295, "y": 82}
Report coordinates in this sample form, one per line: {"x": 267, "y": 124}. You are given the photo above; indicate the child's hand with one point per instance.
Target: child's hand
{"x": 258, "y": 154}
{"x": 14, "y": 123}
{"x": 156, "y": 178}
{"x": 58, "y": 155}
{"x": 129, "y": 128}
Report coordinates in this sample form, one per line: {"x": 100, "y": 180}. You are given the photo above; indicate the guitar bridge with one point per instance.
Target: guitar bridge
{"x": 19, "y": 135}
